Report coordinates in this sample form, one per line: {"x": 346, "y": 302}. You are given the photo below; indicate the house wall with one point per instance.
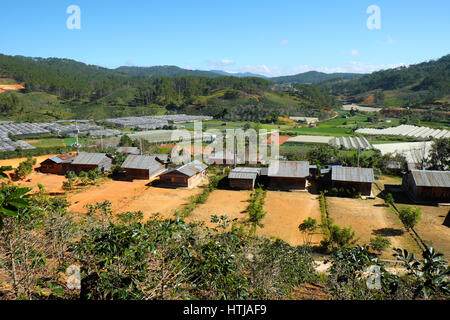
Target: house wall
{"x": 424, "y": 193}
{"x": 139, "y": 174}
{"x": 174, "y": 179}
{"x": 242, "y": 184}
{"x": 364, "y": 187}
{"x": 51, "y": 167}
{"x": 287, "y": 183}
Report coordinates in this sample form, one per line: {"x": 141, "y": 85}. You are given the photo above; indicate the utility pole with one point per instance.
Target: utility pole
{"x": 78, "y": 132}
{"x": 359, "y": 148}
{"x": 140, "y": 144}
{"x": 235, "y": 150}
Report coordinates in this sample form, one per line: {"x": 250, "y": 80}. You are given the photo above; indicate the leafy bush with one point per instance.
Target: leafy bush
{"x": 410, "y": 216}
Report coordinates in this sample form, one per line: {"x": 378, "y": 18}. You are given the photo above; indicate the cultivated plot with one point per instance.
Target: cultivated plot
{"x": 285, "y": 212}
{"x": 371, "y": 218}
{"x": 133, "y": 196}
{"x": 222, "y": 202}
{"x": 432, "y": 230}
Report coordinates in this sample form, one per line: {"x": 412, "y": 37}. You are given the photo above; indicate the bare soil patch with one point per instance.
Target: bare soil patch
{"x": 369, "y": 218}
{"x": 222, "y": 202}
{"x": 133, "y": 196}
{"x": 432, "y": 230}
{"x": 10, "y": 87}
{"x": 285, "y": 212}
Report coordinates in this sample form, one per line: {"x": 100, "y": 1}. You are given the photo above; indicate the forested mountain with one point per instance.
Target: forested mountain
{"x": 422, "y": 83}
{"x": 313, "y": 77}
{"x": 62, "y": 88}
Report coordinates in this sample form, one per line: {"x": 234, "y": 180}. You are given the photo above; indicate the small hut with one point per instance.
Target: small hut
{"x": 142, "y": 167}
{"x": 349, "y": 178}
{"x": 57, "y": 164}
{"x": 427, "y": 185}
{"x": 187, "y": 176}
{"x": 288, "y": 175}
{"x": 86, "y": 161}
{"x": 243, "y": 178}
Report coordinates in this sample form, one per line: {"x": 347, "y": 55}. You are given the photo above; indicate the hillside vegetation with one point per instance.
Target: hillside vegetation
{"x": 61, "y": 88}
{"x": 423, "y": 83}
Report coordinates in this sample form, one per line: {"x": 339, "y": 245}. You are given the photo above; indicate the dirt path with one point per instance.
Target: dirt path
{"x": 10, "y": 87}
{"x": 222, "y": 202}
{"x": 369, "y": 218}
{"x": 285, "y": 212}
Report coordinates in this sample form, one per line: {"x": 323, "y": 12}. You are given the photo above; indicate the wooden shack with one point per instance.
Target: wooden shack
{"x": 142, "y": 167}
{"x": 243, "y": 178}
{"x": 288, "y": 175}
{"x": 86, "y": 161}
{"x": 57, "y": 164}
{"x": 349, "y": 178}
{"x": 185, "y": 176}
{"x": 427, "y": 185}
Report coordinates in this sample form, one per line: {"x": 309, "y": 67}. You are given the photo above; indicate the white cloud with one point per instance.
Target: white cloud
{"x": 354, "y": 52}
{"x": 387, "y": 42}
{"x": 220, "y": 64}
{"x": 347, "y": 67}
{"x": 284, "y": 42}
{"x": 129, "y": 63}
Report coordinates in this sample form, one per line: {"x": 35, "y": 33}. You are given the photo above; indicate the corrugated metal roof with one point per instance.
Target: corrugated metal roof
{"x": 288, "y": 169}
{"x": 429, "y": 178}
{"x": 190, "y": 169}
{"x": 352, "y": 174}
{"x": 89, "y": 158}
{"x": 244, "y": 173}
{"x": 141, "y": 162}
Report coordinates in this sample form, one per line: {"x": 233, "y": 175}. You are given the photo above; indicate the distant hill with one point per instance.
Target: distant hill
{"x": 419, "y": 84}
{"x": 164, "y": 71}
{"x": 313, "y": 77}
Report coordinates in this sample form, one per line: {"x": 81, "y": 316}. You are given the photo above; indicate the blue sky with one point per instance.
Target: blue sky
{"x": 267, "y": 37}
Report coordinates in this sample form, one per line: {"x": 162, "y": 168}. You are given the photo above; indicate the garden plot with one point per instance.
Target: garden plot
{"x": 285, "y": 212}
{"x": 407, "y": 131}
{"x": 133, "y": 196}
{"x": 222, "y": 202}
{"x": 370, "y": 218}
{"x": 432, "y": 230}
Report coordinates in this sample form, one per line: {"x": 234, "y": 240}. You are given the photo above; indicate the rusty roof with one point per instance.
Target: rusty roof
{"x": 288, "y": 169}
{"x": 430, "y": 178}
{"x": 352, "y": 174}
